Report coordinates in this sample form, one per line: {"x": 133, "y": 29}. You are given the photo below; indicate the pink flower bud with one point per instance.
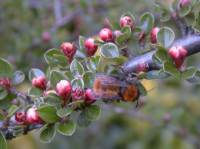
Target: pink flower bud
{"x": 78, "y": 94}
{"x": 90, "y": 46}
{"x": 106, "y": 34}
{"x": 89, "y": 96}
{"x": 5, "y": 82}
{"x": 68, "y": 50}
{"x": 142, "y": 67}
{"x": 184, "y": 3}
{"x": 46, "y": 37}
{"x": 20, "y": 117}
{"x": 63, "y": 89}
{"x": 32, "y": 116}
{"x": 40, "y": 82}
{"x": 126, "y": 21}
{"x": 153, "y": 34}
{"x": 178, "y": 54}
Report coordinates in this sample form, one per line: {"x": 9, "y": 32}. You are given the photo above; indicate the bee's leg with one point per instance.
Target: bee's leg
{"x": 137, "y": 104}
{"x": 116, "y": 98}
{"x": 112, "y": 99}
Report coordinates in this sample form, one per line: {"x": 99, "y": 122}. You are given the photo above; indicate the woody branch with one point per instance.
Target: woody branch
{"x": 189, "y": 40}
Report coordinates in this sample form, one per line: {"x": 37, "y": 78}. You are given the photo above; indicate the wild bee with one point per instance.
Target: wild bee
{"x": 110, "y": 87}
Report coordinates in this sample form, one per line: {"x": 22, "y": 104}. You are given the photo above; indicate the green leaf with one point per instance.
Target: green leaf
{"x": 18, "y": 77}
{"x": 83, "y": 121}
{"x": 76, "y": 68}
{"x": 126, "y": 34}
{"x": 126, "y": 31}
{"x": 34, "y": 72}
{"x": 1, "y": 116}
{"x": 166, "y": 36}
{"x": 171, "y": 69}
{"x": 47, "y": 133}
{"x": 64, "y": 112}
{"x": 147, "y": 22}
{"x": 88, "y": 79}
{"x": 109, "y": 50}
{"x": 188, "y": 73}
{"x": 92, "y": 112}
{"x": 92, "y": 63}
{"x": 56, "y": 76}
{"x": 68, "y": 128}
{"x": 55, "y": 57}
{"x": 81, "y": 44}
{"x": 185, "y": 10}
{"x": 195, "y": 78}
{"x": 77, "y": 83}
{"x": 3, "y": 143}
{"x": 48, "y": 113}
{"x": 12, "y": 110}
{"x": 6, "y": 69}
{"x": 52, "y": 99}
{"x": 35, "y": 92}
{"x": 162, "y": 55}
{"x": 165, "y": 15}
{"x": 69, "y": 75}
{"x": 3, "y": 93}
{"x": 156, "y": 74}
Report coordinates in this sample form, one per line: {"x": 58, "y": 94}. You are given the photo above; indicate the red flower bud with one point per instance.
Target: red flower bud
{"x": 20, "y": 117}
{"x": 68, "y": 50}
{"x": 153, "y": 35}
{"x": 126, "y": 21}
{"x": 89, "y": 96}
{"x": 178, "y": 54}
{"x": 90, "y": 46}
{"x": 5, "y": 82}
{"x": 63, "y": 89}
{"x": 184, "y": 3}
{"x": 142, "y": 67}
{"x": 106, "y": 34}
{"x": 78, "y": 94}
{"x": 40, "y": 82}
{"x": 32, "y": 116}
{"x": 46, "y": 37}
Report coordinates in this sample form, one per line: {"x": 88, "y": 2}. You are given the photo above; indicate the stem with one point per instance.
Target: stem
{"x": 191, "y": 43}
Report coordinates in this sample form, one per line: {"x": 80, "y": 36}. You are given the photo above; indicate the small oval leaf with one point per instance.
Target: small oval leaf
{"x": 47, "y": 133}
{"x": 35, "y": 72}
{"x": 147, "y": 22}
{"x": 166, "y": 36}
{"x": 6, "y": 69}
{"x": 88, "y": 79}
{"x": 55, "y": 57}
{"x": 68, "y": 128}
{"x": 48, "y": 113}
{"x": 76, "y": 68}
{"x": 18, "y": 77}
{"x": 109, "y": 50}
{"x": 63, "y": 112}
{"x": 93, "y": 112}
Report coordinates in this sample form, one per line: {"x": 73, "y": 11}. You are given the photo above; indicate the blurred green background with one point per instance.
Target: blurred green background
{"x": 169, "y": 117}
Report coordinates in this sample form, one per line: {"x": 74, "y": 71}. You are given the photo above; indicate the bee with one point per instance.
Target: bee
{"x": 110, "y": 87}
